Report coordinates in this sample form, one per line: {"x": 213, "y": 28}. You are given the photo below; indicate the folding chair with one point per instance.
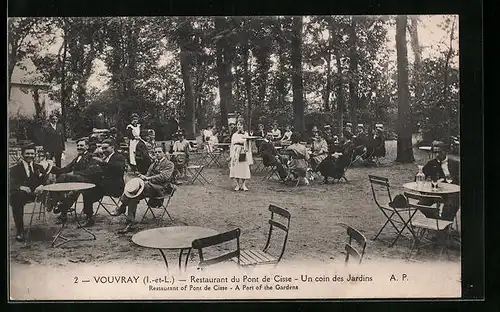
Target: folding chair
{"x": 394, "y": 215}
{"x": 427, "y": 218}
{"x": 215, "y": 240}
{"x": 352, "y": 253}
{"x": 102, "y": 204}
{"x": 258, "y": 165}
{"x": 251, "y": 257}
{"x": 163, "y": 206}
{"x": 272, "y": 170}
{"x": 195, "y": 171}
{"x": 355, "y": 236}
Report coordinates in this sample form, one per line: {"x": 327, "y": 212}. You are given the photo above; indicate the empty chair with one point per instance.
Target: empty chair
{"x": 351, "y": 252}
{"x": 249, "y": 257}
{"x": 215, "y": 240}
{"x": 427, "y": 218}
{"x": 398, "y": 217}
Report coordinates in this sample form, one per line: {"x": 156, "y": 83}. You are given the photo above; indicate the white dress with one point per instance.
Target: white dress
{"x": 239, "y": 169}
{"x": 136, "y": 132}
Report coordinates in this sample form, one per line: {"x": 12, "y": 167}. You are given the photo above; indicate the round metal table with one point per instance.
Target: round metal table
{"x": 443, "y": 188}
{"x": 65, "y": 187}
{"x": 174, "y": 237}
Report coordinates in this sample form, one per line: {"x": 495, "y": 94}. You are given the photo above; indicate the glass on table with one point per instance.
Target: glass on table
{"x": 434, "y": 183}
{"x": 448, "y": 179}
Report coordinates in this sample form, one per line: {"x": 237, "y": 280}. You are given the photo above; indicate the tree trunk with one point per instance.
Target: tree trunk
{"x": 446, "y": 100}
{"x": 340, "y": 94}
{"x": 353, "y": 68}
{"x": 328, "y": 87}
{"x": 185, "y": 60}
{"x": 223, "y": 71}
{"x": 404, "y": 145}
{"x": 298, "y": 88}
{"x": 12, "y": 65}
{"x": 417, "y": 54}
{"x": 64, "y": 91}
{"x": 248, "y": 86}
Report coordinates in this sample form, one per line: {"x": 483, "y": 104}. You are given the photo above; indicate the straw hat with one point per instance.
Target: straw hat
{"x": 134, "y": 188}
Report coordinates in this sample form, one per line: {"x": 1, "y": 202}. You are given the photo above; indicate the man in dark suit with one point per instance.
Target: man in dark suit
{"x": 441, "y": 167}
{"x": 53, "y": 139}
{"x": 81, "y": 169}
{"x": 113, "y": 168}
{"x": 157, "y": 182}
{"x": 26, "y": 179}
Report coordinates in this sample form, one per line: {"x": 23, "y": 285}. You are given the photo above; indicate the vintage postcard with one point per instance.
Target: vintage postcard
{"x": 233, "y": 157}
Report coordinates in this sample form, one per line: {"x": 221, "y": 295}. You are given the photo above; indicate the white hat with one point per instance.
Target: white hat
{"x": 349, "y": 124}
{"x": 133, "y": 188}
{"x": 360, "y": 125}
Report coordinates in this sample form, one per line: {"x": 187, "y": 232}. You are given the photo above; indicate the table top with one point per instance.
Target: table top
{"x": 172, "y": 237}
{"x": 444, "y": 188}
{"x": 253, "y": 137}
{"x": 222, "y": 144}
{"x": 68, "y": 186}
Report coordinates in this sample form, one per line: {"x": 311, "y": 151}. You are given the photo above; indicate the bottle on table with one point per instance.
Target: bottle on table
{"x": 420, "y": 177}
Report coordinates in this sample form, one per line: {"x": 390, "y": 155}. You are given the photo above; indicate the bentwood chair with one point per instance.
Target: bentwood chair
{"x": 202, "y": 244}
{"x": 397, "y": 217}
{"x": 427, "y": 219}
{"x": 252, "y": 257}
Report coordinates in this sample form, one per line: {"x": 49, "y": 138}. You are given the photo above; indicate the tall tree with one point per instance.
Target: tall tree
{"x": 446, "y": 99}
{"x": 186, "y": 55}
{"x": 353, "y": 69}
{"x": 404, "y": 144}
{"x": 224, "y": 65}
{"x": 298, "y": 88}
{"x": 417, "y": 56}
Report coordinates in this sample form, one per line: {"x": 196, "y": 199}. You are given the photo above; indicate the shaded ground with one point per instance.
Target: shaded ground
{"x": 316, "y": 211}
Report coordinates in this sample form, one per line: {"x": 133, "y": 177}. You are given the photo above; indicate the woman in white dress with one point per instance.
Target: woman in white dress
{"x": 240, "y": 158}
{"x": 134, "y": 135}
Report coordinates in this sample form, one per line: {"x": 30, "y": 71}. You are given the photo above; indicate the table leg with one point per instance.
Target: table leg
{"x": 67, "y": 240}
{"x": 188, "y": 252}
{"x": 164, "y": 258}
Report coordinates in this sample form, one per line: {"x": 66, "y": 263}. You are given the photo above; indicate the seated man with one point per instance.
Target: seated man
{"x": 113, "y": 168}
{"x": 439, "y": 168}
{"x": 270, "y": 156}
{"x": 156, "y": 182}
{"x": 81, "y": 169}
{"x": 26, "y": 179}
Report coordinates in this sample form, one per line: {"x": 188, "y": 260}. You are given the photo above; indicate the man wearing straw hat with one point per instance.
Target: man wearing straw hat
{"x": 156, "y": 182}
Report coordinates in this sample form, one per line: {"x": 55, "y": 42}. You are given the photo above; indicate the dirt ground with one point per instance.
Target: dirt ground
{"x": 315, "y": 233}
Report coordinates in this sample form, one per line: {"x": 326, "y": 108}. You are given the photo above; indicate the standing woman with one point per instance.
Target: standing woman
{"x": 134, "y": 136}
{"x": 240, "y": 158}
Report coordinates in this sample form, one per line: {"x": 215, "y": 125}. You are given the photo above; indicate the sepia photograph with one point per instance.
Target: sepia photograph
{"x": 234, "y": 157}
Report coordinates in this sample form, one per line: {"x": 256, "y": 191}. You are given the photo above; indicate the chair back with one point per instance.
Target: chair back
{"x": 380, "y": 187}
{"x": 359, "y": 238}
{"x": 274, "y": 223}
{"x": 352, "y": 253}
{"x": 430, "y": 205}
{"x": 201, "y": 243}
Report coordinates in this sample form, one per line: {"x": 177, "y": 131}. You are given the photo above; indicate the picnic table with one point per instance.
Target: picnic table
{"x": 172, "y": 238}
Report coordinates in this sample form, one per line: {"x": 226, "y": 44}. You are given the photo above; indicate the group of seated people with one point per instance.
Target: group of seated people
{"x": 328, "y": 153}
{"x": 102, "y": 166}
